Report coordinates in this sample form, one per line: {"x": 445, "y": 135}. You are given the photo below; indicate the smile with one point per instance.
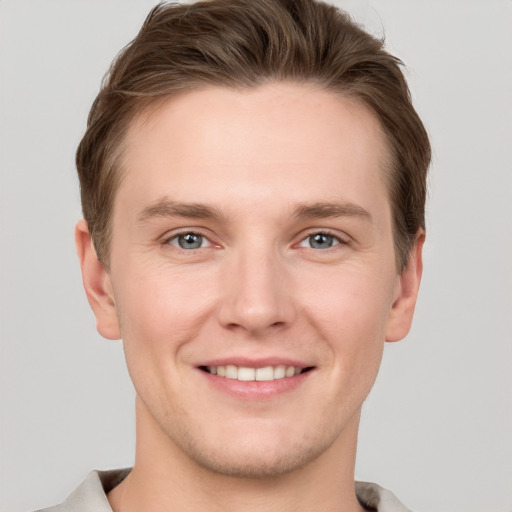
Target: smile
{"x": 265, "y": 373}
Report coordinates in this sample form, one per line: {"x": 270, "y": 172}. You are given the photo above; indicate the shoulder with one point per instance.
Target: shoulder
{"x": 91, "y": 494}
{"x": 374, "y": 497}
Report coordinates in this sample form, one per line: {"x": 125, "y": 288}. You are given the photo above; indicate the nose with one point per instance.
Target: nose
{"x": 256, "y": 297}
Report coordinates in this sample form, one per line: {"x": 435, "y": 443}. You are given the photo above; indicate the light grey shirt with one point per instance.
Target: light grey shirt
{"x": 91, "y": 495}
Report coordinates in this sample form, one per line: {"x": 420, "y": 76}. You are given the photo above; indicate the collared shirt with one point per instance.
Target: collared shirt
{"x": 91, "y": 495}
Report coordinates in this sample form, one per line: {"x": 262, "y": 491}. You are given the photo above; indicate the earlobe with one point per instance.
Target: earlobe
{"x": 406, "y": 293}
{"x": 97, "y": 284}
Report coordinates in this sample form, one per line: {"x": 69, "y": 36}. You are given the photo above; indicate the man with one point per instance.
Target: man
{"x": 253, "y": 188}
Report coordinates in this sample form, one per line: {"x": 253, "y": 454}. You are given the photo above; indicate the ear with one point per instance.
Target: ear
{"x": 97, "y": 284}
{"x": 406, "y": 293}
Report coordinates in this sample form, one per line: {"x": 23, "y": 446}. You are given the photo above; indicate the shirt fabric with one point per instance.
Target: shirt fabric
{"x": 91, "y": 495}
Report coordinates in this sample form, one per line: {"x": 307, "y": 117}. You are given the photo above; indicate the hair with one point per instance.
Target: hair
{"x": 244, "y": 44}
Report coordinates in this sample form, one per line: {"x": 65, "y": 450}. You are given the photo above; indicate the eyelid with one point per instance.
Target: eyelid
{"x": 340, "y": 238}
{"x": 176, "y": 238}
{"x": 174, "y": 235}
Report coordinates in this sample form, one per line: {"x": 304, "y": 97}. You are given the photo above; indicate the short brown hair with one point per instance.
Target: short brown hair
{"x": 246, "y": 43}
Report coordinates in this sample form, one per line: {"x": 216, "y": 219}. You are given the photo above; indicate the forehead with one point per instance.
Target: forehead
{"x": 295, "y": 138}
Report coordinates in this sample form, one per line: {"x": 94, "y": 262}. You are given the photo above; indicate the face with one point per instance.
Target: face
{"x": 253, "y": 275}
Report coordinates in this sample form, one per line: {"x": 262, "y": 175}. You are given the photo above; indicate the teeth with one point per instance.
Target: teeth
{"x": 290, "y": 371}
{"x": 231, "y": 371}
{"x": 246, "y": 373}
{"x": 265, "y": 373}
{"x": 279, "y": 372}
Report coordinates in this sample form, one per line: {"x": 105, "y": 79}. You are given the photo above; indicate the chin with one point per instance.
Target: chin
{"x": 253, "y": 465}
{"x": 253, "y": 457}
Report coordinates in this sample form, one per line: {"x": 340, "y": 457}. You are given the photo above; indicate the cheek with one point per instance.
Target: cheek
{"x": 158, "y": 315}
{"x": 351, "y": 315}
{"x": 350, "y": 301}
{"x": 159, "y": 312}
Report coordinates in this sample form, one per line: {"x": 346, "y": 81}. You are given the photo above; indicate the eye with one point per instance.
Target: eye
{"x": 320, "y": 241}
{"x": 189, "y": 241}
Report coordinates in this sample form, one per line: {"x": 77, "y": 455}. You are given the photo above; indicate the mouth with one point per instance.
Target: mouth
{"x": 261, "y": 374}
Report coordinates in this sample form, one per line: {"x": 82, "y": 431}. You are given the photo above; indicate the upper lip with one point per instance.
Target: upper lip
{"x": 255, "y": 363}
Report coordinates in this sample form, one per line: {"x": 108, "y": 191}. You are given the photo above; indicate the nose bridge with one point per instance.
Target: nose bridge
{"x": 256, "y": 294}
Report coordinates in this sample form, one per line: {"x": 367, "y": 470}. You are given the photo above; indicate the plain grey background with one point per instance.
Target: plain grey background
{"x": 437, "y": 428}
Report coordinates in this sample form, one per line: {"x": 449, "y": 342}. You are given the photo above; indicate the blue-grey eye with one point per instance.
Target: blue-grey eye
{"x": 320, "y": 241}
{"x": 189, "y": 241}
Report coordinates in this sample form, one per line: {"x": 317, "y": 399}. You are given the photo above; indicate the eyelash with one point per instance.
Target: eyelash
{"x": 176, "y": 237}
{"x": 339, "y": 241}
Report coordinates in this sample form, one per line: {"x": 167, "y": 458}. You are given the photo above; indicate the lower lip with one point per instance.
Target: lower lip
{"x": 255, "y": 390}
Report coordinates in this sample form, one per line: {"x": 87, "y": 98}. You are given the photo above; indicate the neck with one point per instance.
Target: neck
{"x": 165, "y": 478}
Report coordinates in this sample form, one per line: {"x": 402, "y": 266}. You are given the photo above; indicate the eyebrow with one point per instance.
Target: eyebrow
{"x": 326, "y": 210}
{"x": 168, "y": 208}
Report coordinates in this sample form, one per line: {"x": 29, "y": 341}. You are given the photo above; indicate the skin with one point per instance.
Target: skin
{"x": 259, "y": 162}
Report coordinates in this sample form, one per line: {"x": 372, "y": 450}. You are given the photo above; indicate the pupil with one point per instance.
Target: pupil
{"x": 321, "y": 241}
{"x": 190, "y": 241}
